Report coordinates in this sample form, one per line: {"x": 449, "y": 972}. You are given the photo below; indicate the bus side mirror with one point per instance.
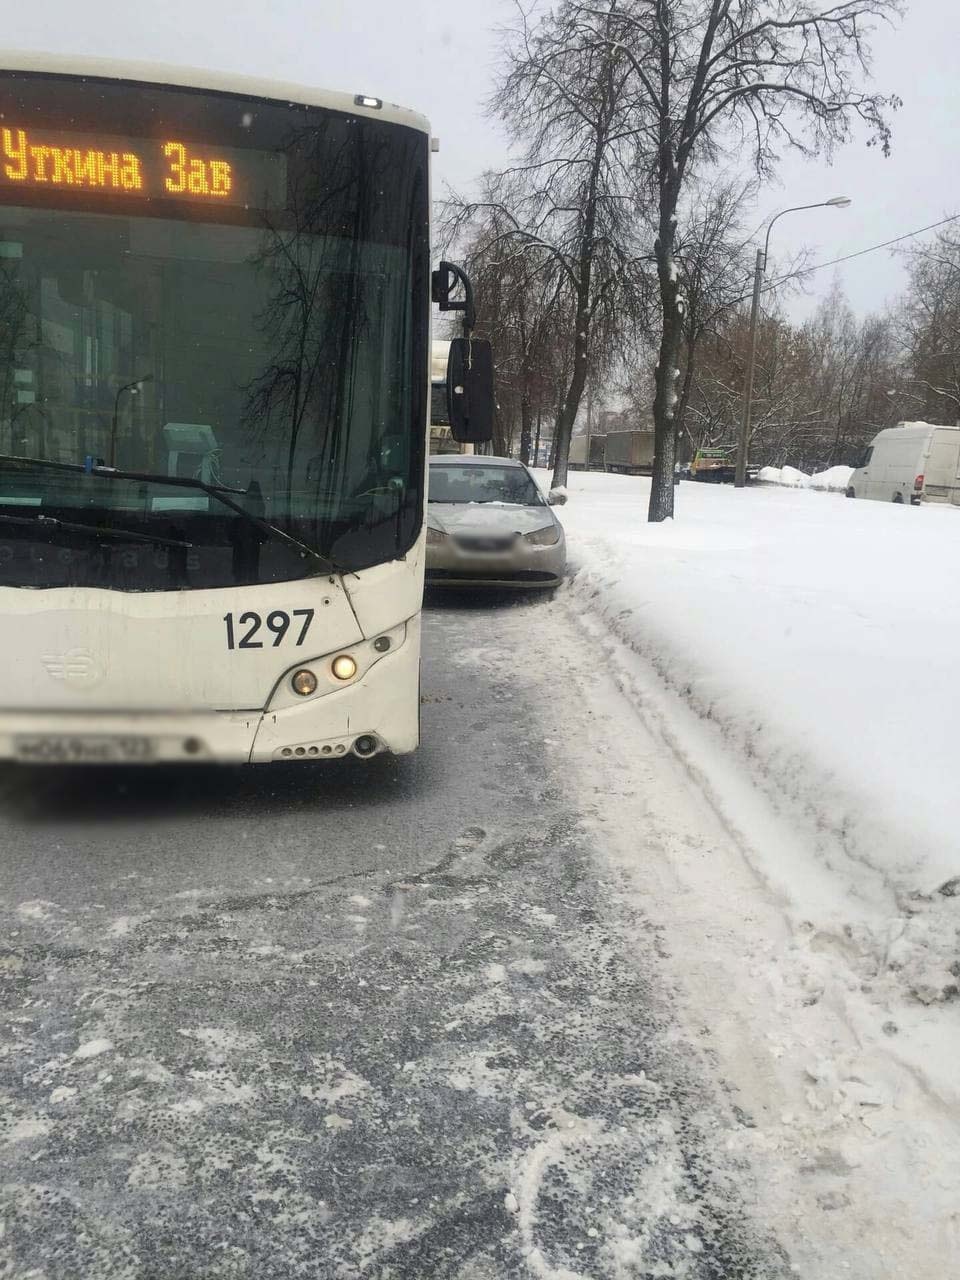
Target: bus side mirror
{"x": 470, "y": 400}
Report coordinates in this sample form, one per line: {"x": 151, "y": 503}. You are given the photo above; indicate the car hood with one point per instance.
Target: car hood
{"x": 487, "y": 517}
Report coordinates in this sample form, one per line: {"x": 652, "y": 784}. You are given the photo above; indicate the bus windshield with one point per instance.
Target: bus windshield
{"x": 230, "y": 291}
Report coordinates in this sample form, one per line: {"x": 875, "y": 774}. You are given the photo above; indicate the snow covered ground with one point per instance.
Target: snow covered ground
{"x": 805, "y": 648}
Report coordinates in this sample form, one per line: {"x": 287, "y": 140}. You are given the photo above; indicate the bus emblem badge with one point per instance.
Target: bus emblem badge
{"x": 76, "y": 667}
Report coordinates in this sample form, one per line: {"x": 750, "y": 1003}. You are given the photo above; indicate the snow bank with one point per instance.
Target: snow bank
{"x": 819, "y": 638}
{"x": 793, "y": 478}
{"x": 789, "y": 477}
{"x": 834, "y": 479}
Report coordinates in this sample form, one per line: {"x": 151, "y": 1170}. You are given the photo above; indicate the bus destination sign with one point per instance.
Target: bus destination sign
{"x": 166, "y": 169}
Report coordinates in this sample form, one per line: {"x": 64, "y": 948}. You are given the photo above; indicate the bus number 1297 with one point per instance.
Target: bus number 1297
{"x": 277, "y": 623}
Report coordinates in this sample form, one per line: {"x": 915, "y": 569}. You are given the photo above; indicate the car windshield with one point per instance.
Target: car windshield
{"x": 476, "y": 483}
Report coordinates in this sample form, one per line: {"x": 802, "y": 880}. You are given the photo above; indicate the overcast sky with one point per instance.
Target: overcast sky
{"x": 438, "y": 56}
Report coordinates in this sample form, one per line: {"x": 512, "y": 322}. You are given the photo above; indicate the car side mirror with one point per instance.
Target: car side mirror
{"x": 557, "y": 497}
{"x": 470, "y": 400}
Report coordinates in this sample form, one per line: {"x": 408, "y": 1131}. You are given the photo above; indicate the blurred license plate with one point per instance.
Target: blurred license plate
{"x": 57, "y": 748}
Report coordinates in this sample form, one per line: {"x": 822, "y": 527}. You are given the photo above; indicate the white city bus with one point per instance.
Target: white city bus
{"x": 214, "y": 404}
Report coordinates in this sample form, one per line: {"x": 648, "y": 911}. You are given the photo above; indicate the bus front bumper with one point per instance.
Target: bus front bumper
{"x": 379, "y": 712}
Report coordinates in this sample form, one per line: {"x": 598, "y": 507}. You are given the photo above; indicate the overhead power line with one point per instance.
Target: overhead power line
{"x": 819, "y": 266}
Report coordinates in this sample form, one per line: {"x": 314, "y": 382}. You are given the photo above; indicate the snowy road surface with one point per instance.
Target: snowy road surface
{"x": 509, "y": 1008}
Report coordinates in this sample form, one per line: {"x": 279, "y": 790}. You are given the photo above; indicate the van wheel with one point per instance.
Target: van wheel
{"x": 898, "y": 497}
{"x": 851, "y": 494}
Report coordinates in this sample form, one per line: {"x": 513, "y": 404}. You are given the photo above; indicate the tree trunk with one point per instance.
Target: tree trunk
{"x": 526, "y": 428}
{"x": 571, "y": 405}
{"x": 500, "y": 435}
{"x": 668, "y": 366}
{"x": 536, "y": 447}
{"x": 685, "y": 398}
{"x": 578, "y": 379}
{"x": 664, "y": 425}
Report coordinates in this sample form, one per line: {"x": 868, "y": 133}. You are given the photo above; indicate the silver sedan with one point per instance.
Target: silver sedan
{"x": 488, "y": 524}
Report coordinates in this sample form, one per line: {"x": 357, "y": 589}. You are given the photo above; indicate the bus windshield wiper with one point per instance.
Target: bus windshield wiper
{"x": 78, "y": 526}
{"x": 220, "y": 492}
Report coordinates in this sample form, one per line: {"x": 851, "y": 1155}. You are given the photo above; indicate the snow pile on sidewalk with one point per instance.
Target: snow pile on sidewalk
{"x": 834, "y": 479}
{"x": 789, "y": 477}
{"x": 817, "y": 638}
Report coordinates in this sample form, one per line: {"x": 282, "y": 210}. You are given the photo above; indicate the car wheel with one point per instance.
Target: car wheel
{"x": 851, "y": 493}
{"x": 898, "y": 498}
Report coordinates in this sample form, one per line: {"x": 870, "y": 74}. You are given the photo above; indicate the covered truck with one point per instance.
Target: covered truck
{"x": 629, "y": 452}
{"x": 578, "y": 460}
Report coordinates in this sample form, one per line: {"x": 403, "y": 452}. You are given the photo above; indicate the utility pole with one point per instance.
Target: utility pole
{"x": 743, "y": 445}
{"x": 586, "y": 463}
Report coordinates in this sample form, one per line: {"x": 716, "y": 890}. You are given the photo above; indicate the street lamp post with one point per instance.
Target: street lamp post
{"x": 743, "y": 443}
{"x": 134, "y": 388}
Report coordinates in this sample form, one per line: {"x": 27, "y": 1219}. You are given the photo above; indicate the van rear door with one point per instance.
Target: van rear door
{"x": 897, "y": 461}
{"x": 942, "y": 467}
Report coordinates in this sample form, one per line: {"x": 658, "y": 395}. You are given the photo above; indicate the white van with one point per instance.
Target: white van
{"x": 912, "y": 462}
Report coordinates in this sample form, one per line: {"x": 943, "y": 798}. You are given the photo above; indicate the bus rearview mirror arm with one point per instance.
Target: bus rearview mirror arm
{"x": 444, "y": 280}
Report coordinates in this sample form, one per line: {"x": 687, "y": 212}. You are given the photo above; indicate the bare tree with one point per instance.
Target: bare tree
{"x": 713, "y": 260}
{"x": 931, "y": 322}
{"x": 525, "y": 307}
{"x": 783, "y": 413}
{"x": 714, "y": 74}
{"x": 820, "y": 391}
{"x": 572, "y": 197}
{"x": 853, "y": 364}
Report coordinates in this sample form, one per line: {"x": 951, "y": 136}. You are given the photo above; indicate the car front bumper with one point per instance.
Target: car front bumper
{"x": 523, "y": 567}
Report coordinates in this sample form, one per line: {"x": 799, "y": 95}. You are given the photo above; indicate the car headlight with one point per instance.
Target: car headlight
{"x": 434, "y": 536}
{"x": 548, "y": 536}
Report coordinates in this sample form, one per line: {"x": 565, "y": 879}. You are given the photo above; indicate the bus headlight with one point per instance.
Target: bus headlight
{"x": 344, "y": 667}
{"x": 435, "y": 537}
{"x": 304, "y": 683}
{"x": 549, "y": 536}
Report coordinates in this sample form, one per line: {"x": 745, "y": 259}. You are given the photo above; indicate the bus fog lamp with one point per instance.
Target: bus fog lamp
{"x": 304, "y": 683}
{"x": 381, "y": 644}
{"x": 344, "y": 667}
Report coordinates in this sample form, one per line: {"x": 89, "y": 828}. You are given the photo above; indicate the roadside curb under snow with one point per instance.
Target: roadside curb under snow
{"x": 902, "y": 940}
